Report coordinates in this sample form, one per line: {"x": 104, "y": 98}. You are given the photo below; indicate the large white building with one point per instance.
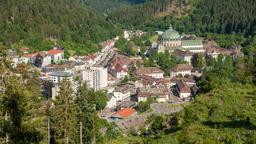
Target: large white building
{"x": 96, "y": 77}
{"x": 171, "y": 40}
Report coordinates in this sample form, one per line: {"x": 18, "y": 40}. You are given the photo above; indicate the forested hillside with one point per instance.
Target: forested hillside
{"x": 201, "y": 16}
{"x": 106, "y": 6}
{"x": 35, "y": 23}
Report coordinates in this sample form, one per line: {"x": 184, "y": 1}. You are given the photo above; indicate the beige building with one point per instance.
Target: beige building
{"x": 96, "y": 77}
{"x": 181, "y": 69}
{"x": 153, "y": 72}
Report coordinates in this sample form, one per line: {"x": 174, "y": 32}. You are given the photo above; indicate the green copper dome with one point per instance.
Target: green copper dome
{"x": 170, "y": 34}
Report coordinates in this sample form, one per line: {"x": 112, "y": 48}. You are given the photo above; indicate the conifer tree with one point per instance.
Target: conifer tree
{"x": 63, "y": 115}
{"x": 87, "y": 115}
{"x": 18, "y": 127}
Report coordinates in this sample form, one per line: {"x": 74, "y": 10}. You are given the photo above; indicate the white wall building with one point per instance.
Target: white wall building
{"x": 153, "y": 72}
{"x": 56, "y": 55}
{"x": 96, "y": 77}
{"x": 111, "y": 101}
{"x": 57, "y": 77}
{"x": 181, "y": 69}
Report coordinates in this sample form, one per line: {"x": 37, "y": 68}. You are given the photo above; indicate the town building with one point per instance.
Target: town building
{"x": 56, "y": 55}
{"x": 96, "y": 77}
{"x": 183, "y": 89}
{"x": 189, "y": 81}
{"x": 194, "y": 45}
{"x": 112, "y": 100}
{"x": 44, "y": 58}
{"x": 153, "y": 72}
{"x": 181, "y": 69}
{"x": 171, "y": 40}
{"x": 183, "y": 55}
{"x": 57, "y": 77}
{"x": 215, "y": 51}
{"x": 123, "y": 92}
{"x": 160, "y": 92}
{"x": 118, "y": 66}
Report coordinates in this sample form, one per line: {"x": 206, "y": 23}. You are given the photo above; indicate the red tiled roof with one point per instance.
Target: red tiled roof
{"x": 117, "y": 67}
{"x": 183, "y": 88}
{"x": 54, "y": 51}
{"x": 30, "y": 55}
{"x": 126, "y": 112}
{"x": 182, "y": 67}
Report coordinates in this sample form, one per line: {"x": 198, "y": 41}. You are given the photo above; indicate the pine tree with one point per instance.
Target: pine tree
{"x": 18, "y": 127}
{"x": 87, "y": 115}
{"x": 63, "y": 115}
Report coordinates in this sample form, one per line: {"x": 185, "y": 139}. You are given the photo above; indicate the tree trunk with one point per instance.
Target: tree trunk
{"x": 81, "y": 133}
{"x": 6, "y": 135}
{"x": 67, "y": 140}
{"x": 48, "y": 132}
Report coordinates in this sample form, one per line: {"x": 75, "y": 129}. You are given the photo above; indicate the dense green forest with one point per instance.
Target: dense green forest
{"x": 38, "y": 24}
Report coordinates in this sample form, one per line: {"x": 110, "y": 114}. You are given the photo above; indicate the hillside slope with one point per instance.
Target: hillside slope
{"x": 31, "y": 23}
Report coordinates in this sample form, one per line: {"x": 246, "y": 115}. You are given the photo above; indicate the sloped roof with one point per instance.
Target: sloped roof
{"x": 183, "y": 87}
{"x": 124, "y": 113}
{"x": 182, "y": 67}
{"x": 30, "y": 55}
{"x": 192, "y": 42}
{"x": 181, "y": 53}
{"x": 148, "y": 70}
{"x": 54, "y": 51}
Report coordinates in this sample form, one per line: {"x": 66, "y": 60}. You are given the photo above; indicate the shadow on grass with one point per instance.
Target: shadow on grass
{"x": 231, "y": 124}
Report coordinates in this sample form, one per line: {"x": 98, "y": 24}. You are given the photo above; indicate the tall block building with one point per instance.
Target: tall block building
{"x": 96, "y": 77}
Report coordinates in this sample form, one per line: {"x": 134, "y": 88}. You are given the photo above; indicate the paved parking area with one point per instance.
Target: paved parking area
{"x": 165, "y": 108}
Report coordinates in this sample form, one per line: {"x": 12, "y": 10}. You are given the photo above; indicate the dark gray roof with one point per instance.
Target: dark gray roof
{"x": 61, "y": 74}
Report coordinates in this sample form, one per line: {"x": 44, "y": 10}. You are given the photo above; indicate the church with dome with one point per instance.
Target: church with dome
{"x": 171, "y": 40}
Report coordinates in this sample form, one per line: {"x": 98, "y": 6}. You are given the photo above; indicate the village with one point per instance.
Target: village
{"x": 126, "y": 83}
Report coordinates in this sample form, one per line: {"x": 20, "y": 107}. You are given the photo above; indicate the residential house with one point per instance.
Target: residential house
{"x": 124, "y": 113}
{"x": 183, "y": 55}
{"x": 188, "y": 80}
{"x": 160, "y": 92}
{"x": 56, "y": 55}
{"x": 153, "y": 72}
{"x": 123, "y": 92}
{"x": 30, "y": 57}
{"x": 42, "y": 59}
{"x": 215, "y": 51}
{"x": 118, "y": 66}
{"x": 181, "y": 69}
{"x": 183, "y": 89}
{"x": 147, "y": 81}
